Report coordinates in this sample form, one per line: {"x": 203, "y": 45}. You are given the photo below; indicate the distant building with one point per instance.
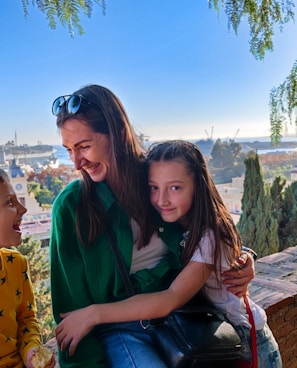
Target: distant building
{"x": 294, "y": 174}
{"x": 37, "y": 221}
{"x": 20, "y": 186}
{"x": 231, "y": 194}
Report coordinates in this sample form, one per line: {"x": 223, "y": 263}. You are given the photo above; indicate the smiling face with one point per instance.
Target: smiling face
{"x": 11, "y": 212}
{"x": 171, "y": 189}
{"x": 88, "y": 150}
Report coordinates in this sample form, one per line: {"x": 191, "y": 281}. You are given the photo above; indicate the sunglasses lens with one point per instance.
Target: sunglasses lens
{"x": 57, "y": 105}
{"x": 73, "y": 105}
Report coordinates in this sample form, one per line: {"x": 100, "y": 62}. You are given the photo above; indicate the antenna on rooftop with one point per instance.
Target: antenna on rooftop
{"x": 235, "y": 135}
{"x": 211, "y": 134}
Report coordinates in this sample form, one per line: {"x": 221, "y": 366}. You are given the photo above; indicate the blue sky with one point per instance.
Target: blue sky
{"x": 174, "y": 65}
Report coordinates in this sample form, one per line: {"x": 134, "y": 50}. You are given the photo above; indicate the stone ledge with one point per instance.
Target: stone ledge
{"x": 276, "y": 279}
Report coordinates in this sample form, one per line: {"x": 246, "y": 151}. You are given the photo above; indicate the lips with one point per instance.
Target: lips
{"x": 92, "y": 168}
{"x": 166, "y": 210}
{"x": 16, "y": 225}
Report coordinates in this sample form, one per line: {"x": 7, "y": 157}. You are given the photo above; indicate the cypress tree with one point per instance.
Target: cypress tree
{"x": 277, "y": 195}
{"x": 257, "y": 225}
{"x": 287, "y": 225}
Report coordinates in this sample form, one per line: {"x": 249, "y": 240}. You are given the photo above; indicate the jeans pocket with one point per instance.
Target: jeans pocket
{"x": 275, "y": 359}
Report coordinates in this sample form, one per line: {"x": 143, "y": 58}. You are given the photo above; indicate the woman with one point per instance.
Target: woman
{"x": 111, "y": 198}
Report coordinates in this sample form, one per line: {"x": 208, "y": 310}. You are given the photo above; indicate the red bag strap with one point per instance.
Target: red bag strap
{"x": 253, "y": 332}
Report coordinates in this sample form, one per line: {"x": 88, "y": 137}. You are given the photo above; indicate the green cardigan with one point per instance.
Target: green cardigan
{"x": 80, "y": 277}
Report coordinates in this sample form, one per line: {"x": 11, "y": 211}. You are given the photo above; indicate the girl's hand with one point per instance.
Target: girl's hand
{"x": 239, "y": 279}
{"x": 29, "y": 358}
{"x": 52, "y": 363}
{"x": 74, "y": 326}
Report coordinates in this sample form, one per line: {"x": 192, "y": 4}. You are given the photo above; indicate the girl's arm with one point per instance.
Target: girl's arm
{"x": 29, "y": 335}
{"x": 138, "y": 307}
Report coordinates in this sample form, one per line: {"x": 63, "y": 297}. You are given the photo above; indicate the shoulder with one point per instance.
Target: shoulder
{"x": 208, "y": 238}
{"x": 71, "y": 190}
{"x": 11, "y": 256}
{"x": 68, "y": 197}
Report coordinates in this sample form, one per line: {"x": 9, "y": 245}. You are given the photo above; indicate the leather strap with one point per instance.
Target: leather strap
{"x": 120, "y": 263}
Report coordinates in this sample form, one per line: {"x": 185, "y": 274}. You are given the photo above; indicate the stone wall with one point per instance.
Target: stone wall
{"x": 275, "y": 289}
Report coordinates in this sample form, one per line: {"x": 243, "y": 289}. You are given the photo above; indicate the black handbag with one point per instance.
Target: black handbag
{"x": 196, "y": 335}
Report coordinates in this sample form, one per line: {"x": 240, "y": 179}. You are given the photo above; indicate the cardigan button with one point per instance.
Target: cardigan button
{"x": 161, "y": 229}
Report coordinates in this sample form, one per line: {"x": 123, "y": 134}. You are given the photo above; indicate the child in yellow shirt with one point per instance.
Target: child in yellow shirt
{"x": 19, "y": 329}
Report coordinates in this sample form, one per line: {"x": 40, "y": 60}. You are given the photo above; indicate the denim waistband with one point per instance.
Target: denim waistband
{"x": 242, "y": 330}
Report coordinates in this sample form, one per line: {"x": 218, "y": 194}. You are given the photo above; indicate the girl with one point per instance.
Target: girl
{"x": 19, "y": 330}
{"x": 182, "y": 190}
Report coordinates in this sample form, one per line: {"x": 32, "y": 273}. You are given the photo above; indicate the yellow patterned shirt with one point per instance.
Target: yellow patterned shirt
{"x": 19, "y": 329}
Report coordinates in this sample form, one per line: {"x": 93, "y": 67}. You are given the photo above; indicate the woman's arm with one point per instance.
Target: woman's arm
{"x": 138, "y": 307}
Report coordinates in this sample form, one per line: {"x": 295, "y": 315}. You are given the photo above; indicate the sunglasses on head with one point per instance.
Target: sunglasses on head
{"x": 73, "y": 104}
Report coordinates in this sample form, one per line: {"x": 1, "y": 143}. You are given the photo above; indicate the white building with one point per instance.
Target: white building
{"x": 232, "y": 194}
{"x": 37, "y": 221}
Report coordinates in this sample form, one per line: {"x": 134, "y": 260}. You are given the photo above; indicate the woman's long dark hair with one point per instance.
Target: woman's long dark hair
{"x": 208, "y": 210}
{"x": 126, "y": 176}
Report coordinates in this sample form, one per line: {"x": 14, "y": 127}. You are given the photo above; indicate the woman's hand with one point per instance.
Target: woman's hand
{"x": 239, "y": 279}
{"x": 74, "y": 326}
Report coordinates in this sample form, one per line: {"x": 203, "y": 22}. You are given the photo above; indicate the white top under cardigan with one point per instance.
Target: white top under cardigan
{"x": 229, "y": 304}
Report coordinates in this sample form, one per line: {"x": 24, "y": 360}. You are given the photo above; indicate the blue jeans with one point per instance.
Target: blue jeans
{"x": 128, "y": 345}
{"x": 268, "y": 351}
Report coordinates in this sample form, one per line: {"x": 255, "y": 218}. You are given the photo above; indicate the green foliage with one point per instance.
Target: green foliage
{"x": 45, "y": 196}
{"x": 33, "y": 187}
{"x": 257, "y": 226}
{"x": 288, "y": 217}
{"x": 46, "y": 193}
{"x": 276, "y": 193}
{"x": 227, "y": 161}
{"x": 65, "y": 12}
{"x": 39, "y": 272}
{"x": 54, "y": 184}
{"x": 283, "y": 105}
{"x": 262, "y": 16}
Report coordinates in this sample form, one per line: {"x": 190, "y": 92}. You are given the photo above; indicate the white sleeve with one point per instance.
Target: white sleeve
{"x": 205, "y": 250}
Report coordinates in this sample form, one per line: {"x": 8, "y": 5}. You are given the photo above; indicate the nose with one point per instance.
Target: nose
{"x": 163, "y": 199}
{"x": 21, "y": 208}
{"x": 77, "y": 159}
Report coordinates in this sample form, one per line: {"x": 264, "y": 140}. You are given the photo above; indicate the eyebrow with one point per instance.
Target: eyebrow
{"x": 79, "y": 143}
{"x": 169, "y": 182}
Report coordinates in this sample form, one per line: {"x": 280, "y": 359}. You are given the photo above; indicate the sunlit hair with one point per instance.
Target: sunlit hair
{"x": 4, "y": 178}
{"x": 126, "y": 175}
{"x": 208, "y": 210}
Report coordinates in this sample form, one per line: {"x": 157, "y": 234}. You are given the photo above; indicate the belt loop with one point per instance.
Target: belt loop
{"x": 145, "y": 324}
